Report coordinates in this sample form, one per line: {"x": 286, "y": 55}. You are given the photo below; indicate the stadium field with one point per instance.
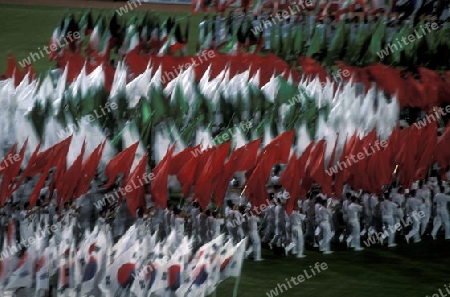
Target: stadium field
{"x": 25, "y": 28}
{"x": 409, "y": 270}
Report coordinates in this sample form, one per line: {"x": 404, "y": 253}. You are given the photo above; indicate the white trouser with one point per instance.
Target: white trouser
{"x": 415, "y": 231}
{"x": 325, "y": 227}
{"x": 441, "y": 217}
{"x": 268, "y": 231}
{"x": 297, "y": 238}
{"x": 356, "y": 231}
{"x": 388, "y": 221}
{"x": 424, "y": 222}
{"x": 256, "y": 241}
{"x": 279, "y": 233}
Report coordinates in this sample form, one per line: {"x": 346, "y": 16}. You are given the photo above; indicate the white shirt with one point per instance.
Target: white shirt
{"x": 279, "y": 215}
{"x": 324, "y": 215}
{"x": 399, "y": 199}
{"x": 388, "y": 208}
{"x": 353, "y": 211}
{"x": 412, "y": 205}
{"x": 253, "y": 224}
{"x": 441, "y": 200}
{"x": 297, "y": 219}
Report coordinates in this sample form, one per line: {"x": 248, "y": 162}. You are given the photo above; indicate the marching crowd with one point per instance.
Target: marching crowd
{"x": 424, "y": 209}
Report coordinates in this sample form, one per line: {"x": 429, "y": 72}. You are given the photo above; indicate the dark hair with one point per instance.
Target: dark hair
{"x": 353, "y": 198}
{"x": 230, "y": 204}
{"x": 420, "y": 183}
{"x": 140, "y": 213}
{"x": 208, "y": 212}
{"x": 103, "y": 210}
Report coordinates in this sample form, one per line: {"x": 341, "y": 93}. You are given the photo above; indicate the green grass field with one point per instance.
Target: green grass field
{"x": 24, "y": 29}
{"x": 413, "y": 270}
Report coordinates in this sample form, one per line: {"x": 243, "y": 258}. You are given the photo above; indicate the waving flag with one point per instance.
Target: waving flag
{"x": 22, "y": 276}
{"x": 42, "y": 271}
{"x": 121, "y": 163}
{"x": 135, "y": 197}
{"x": 158, "y": 187}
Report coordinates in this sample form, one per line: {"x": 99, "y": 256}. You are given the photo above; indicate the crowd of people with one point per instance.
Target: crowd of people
{"x": 316, "y": 220}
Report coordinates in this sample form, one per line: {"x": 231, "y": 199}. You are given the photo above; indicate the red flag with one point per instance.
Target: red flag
{"x": 40, "y": 184}
{"x": 68, "y": 182}
{"x": 47, "y": 156}
{"x": 302, "y": 166}
{"x": 121, "y": 163}
{"x": 16, "y": 168}
{"x": 158, "y": 186}
{"x": 135, "y": 197}
{"x": 7, "y": 176}
{"x": 209, "y": 175}
{"x": 28, "y": 166}
{"x": 312, "y": 69}
{"x": 442, "y": 150}
{"x": 279, "y": 148}
{"x": 291, "y": 182}
{"x": 428, "y": 146}
{"x": 60, "y": 164}
{"x": 387, "y": 78}
{"x": 277, "y": 151}
{"x": 180, "y": 159}
{"x": 244, "y": 158}
{"x": 317, "y": 171}
{"x": 241, "y": 159}
{"x": 255, "y": 185}
{"x": 186, "y": 175}
{"x": 13, "y": 70}
{"x": 436, "y": 90}
{"x": 89, "y": 168}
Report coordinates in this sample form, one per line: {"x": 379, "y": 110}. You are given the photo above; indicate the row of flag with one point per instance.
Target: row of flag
{"x": 137, "y": 264}
{"x": 213, "y": 166}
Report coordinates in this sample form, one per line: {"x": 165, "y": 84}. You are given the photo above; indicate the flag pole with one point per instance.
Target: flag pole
{"x": 236, "y": 285}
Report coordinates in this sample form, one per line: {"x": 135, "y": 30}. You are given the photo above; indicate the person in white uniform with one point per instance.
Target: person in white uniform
{"x": 442, "y": 216}
{"x": 253, "y": 221}
{"x": 297, "y": 219}
{"x": 324, "y": 215}
{"x": 269, "y": 219}
{"x": 354, "y": 214}
{"x": 412, "y": 208}
{"x": 388, "y": 209}
{"x": 424, "y": 193}
{"x": 280, "y": 224}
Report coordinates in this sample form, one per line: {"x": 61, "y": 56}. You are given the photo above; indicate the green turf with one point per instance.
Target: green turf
{"x": 414, "y": 270}
{"x": 24, "y": 29}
